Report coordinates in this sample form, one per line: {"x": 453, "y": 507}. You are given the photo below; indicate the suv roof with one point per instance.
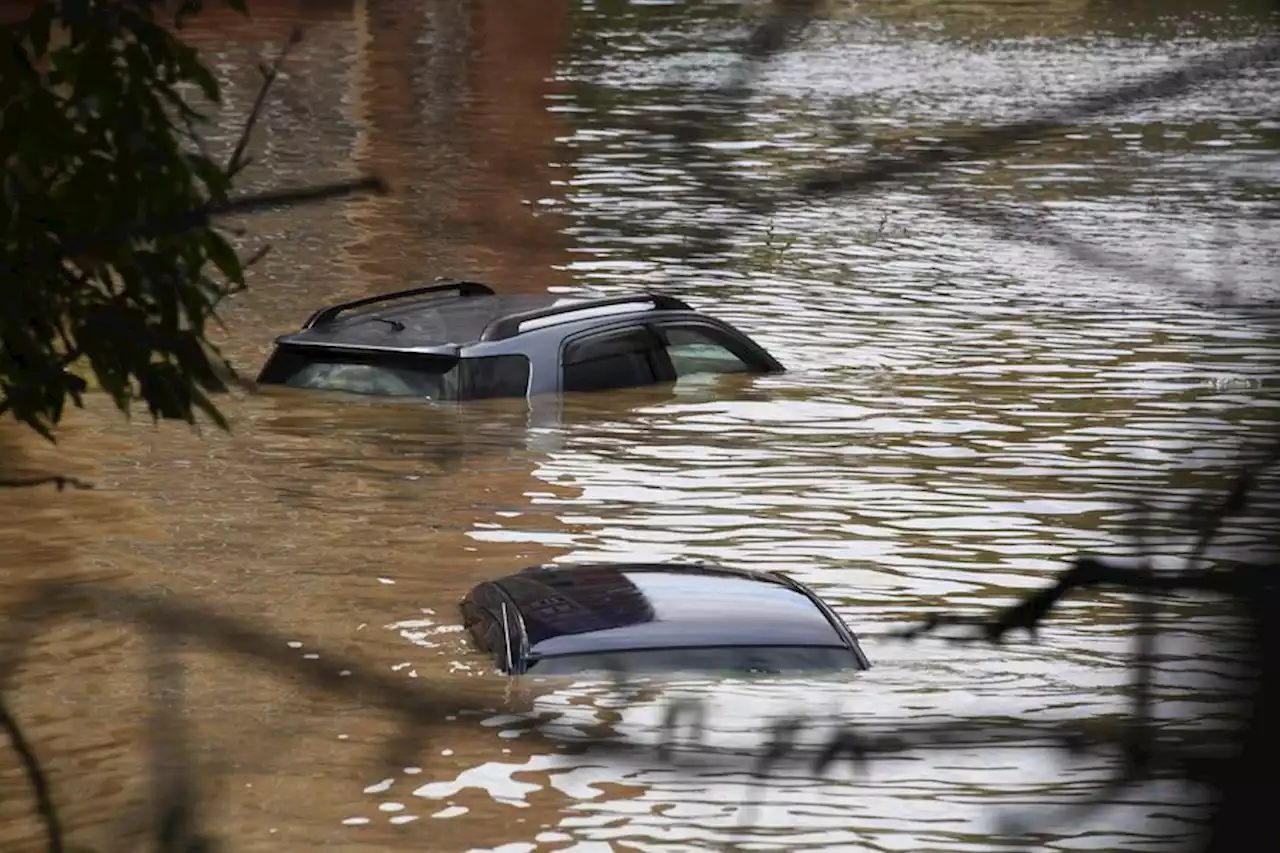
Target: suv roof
{"x": 602, "y": 608}
{"x": 454, "y": 312}
{"x": 459, "y": 340}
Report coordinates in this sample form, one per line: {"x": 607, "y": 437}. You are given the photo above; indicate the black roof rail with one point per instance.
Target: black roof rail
{"x": 464, "y": 288}
{"x": 502, "y": 328}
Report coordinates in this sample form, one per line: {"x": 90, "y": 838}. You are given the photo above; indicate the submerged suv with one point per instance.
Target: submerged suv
{"x": 459, "y": 340}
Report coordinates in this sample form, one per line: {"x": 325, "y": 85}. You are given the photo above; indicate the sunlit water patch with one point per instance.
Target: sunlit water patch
{"x": 970, "y": 403}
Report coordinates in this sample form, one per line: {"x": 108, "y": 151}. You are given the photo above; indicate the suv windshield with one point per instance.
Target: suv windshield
{"x": 741, "y": 660}
{"x": 421, "y": 377}
{"x": 376, "y": 379}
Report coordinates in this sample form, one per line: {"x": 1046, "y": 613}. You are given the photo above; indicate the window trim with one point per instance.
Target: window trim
{"x": 751, "y": 355}
{"x": 532, "y": 661}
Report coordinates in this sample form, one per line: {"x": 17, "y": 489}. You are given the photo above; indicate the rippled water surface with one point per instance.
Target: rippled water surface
{"x": 964, "y": 411}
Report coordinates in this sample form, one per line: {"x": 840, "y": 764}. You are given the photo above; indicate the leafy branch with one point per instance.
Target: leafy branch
{"x": 111, "y": 260}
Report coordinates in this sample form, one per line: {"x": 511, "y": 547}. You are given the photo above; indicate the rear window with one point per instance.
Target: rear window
{"x": 362, "y": 373}
{"x": 373, "y": 379}
{"x": 731, "y": 660}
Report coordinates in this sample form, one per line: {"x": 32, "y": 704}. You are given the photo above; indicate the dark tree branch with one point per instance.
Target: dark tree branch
{"x": 255, "y": 203}
{"x": 203, "y": 216}
{"x": 778, "y": 32}
{"x": 1086, "y": 573}
{"x": 1221, "y": 65}
{"x": 1037, "y": 229}
{"x": 36, "y": 777}
{"x": 420, "y": 706}
{"x": 256, "y": 258}
{"x": 238, "y": 161}
{"x": 1208, "y": 518}
{"x": 62, "y": 482}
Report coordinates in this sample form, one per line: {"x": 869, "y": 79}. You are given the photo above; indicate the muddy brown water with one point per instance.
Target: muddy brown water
{"x": 963, "y": 413}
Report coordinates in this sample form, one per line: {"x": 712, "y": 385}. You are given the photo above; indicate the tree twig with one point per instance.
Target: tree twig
{"x": 201, "y": 216}
{"x": 36, "y": 777}
{"x": 269, "y": 73}
{"x": 1208, "y": 519}
{"x": 60, "y": 480}
{"x": 1085, "y": 573}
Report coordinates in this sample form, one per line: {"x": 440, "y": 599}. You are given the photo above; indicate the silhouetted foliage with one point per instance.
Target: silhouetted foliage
{"x": 111, "y": 266}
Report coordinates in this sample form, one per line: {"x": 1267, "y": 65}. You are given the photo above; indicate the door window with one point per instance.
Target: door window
{"x": 626, "y": 358}
{"x": 696, "y": 350}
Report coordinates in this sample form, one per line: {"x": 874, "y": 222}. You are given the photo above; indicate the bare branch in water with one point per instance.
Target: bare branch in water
{"x": 59, "y": 480}
{"x": 238, "y": 160}
{"x": 36, "y": 777}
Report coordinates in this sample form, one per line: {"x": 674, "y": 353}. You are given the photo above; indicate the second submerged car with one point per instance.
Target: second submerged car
{"x": 656, "y": 618}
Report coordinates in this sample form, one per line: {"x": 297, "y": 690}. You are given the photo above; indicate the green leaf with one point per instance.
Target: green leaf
{"x": 204, "y": 404}
{"x": 224, "y": 257}
{"x": 99, "y": 288}
{"x": 211, "y": 174}
{"x": 192, "y": 69}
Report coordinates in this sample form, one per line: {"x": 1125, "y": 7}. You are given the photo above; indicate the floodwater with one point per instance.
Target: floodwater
{"x": 964, "y": 413}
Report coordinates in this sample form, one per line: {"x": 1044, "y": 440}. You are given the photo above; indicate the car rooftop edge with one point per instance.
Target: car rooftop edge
{"x": 564, "y": 613}
{"x": 326, "y": 316}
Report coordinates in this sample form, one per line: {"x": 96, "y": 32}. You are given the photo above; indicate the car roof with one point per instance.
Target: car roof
{"x": 582, "y": 608}
{"x": 427, "y": 322}
{"x": 428, "y": 317}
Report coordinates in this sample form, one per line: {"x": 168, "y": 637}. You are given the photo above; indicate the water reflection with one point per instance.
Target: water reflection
{"x": 452, "y": 114}
{"x": 961, "y": 415}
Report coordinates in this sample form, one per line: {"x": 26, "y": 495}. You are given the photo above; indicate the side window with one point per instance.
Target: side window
{"x": 627, "y": 358}
{"x": 495, "y": 376}
{"x": 695, "y": 349}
